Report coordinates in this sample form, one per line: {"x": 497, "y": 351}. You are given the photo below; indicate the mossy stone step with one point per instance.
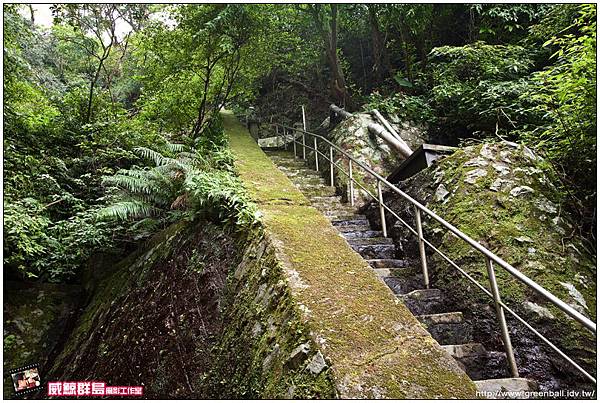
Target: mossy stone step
{"x": 289, "y": 167}
{"x": 404, "y": 280}
{"x": 315, "y": 181}
{"x": 450, "y": 333}
{"x": 327, "y": 199}
{"x": 311, "y": 190}
{"x": 388, "y": 263}
{"x": 334, "y": 205}
{"x": 351, "y": 220}
{"x": 370, "y": 241}
{"x": 477, "y": 362}
{"x": 492, "y": 365}
{"x": 424, "y": 301}
{"x": 441, "y": 318}
{"x": 316, "y": 191}
{"x": 362, "y": 234}
{"x": 295, "y": 173}
{"x": 343, "y": 229}
{"x": 334, "y": 214}
{"x": 378, "y": 251}
{"x": 289, "y": 162}
{"x": 465, "y": 350}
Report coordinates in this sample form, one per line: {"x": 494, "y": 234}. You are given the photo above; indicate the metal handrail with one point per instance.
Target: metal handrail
{"x": 490, "y": 256}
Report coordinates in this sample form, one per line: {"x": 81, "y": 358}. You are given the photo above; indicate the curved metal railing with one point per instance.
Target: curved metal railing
{"x": 285, "y": 137}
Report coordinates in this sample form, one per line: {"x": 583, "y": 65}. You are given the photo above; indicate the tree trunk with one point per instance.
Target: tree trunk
{"x": 406, "y": 52}
{"x": 339, "y": 81}
{"x": 329, "y": 36}
{"x": 381, "y": 60}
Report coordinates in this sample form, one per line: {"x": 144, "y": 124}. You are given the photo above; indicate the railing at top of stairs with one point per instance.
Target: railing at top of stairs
{"x": 289, "y": 134}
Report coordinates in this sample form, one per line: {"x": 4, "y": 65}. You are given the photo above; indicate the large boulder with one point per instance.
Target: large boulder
{"x": 505, "y": 197}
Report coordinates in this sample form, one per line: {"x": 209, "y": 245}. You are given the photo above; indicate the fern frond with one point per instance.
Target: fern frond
{"x": 132, "y": 184}
{"x": 128, "y": 209}
{"x": 175, "y": 147}
{"x": 152, "y": 155}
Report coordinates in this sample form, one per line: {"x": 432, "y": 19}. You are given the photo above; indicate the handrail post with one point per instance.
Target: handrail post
{"x": 510, "y": 355}
{"x": 285, "y": 143}
{"x": 294, "y": 141}
{"x": 351, "y": 182}
{"x": 331, "y": 166}
{"x": 303, "y": 133}
{"x": 381, "y": 209}
{"x": 303, "y": 146}
{"x": 316, "y": 154}
{"x": 287, "y": 139}
{"x": 422, "y": 247}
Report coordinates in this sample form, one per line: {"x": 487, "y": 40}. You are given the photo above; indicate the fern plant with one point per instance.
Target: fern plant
{"x": 181, "y": 182}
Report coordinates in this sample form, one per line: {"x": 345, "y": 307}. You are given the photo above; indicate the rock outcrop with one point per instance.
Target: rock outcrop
{"x": 505, "y": 197}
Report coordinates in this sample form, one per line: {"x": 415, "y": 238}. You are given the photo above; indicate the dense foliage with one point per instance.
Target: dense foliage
{"x": 111, "y": 115}
{"x": 86, "y": 105}
{"x": 520, "y": 72}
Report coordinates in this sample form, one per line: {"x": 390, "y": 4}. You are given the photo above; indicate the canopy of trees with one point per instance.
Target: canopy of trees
{"x": 111, "y": 115}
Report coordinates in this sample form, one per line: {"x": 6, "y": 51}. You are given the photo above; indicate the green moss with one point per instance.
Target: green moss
{"x": 262, "y": 179}
{"x": 376, "y": 346}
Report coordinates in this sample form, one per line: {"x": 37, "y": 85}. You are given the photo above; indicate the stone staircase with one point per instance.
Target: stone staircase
{"x": 488, "y": 369}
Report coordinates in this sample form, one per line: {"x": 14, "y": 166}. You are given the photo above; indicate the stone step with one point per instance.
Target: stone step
{"x": 351, "y": 217}
{"x": 343, "y": 222}
{"x": 341, "y": 208}
{"x": 383, "y": 273}
{"x": 299, "y": 175}
{"x": 310, "y": 191}
{"x": 289, "y": 165}
{"x": 344, "y": 229}
{"x": 378, "y": 251}
{"x": 334, "y": 213}
{"x": 388, "y": 263}
{"x": 477, "y": 362}
{"x": 465, "y": 350}
{"x": 312, "y": 183}
{"x": 451, "y": 333}
{"x": 493, "y": 365}
{"x": 403, "y": 280}
{"x": 506, "y": 388}
{"x": 370, "y": 241}
{"x": 424, "y": 301}
{"x": 326, "y": 199}
{"x": 441, "y": 318}
{"x": 423, "y": 294}
{"x": 363, "y": 234}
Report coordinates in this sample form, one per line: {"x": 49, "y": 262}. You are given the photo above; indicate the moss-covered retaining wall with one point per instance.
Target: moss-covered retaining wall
{"x": 372, "y": 345}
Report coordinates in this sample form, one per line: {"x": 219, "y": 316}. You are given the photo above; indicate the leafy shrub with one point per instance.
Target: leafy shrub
{"x": 409, "y": 107}
{"x": 72, "y": 242}
{"x": 25, "y": 238}
{"x": 565, "y": 95}
{"x": 35, "y": 247}
{"x": 478, "y": 87}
